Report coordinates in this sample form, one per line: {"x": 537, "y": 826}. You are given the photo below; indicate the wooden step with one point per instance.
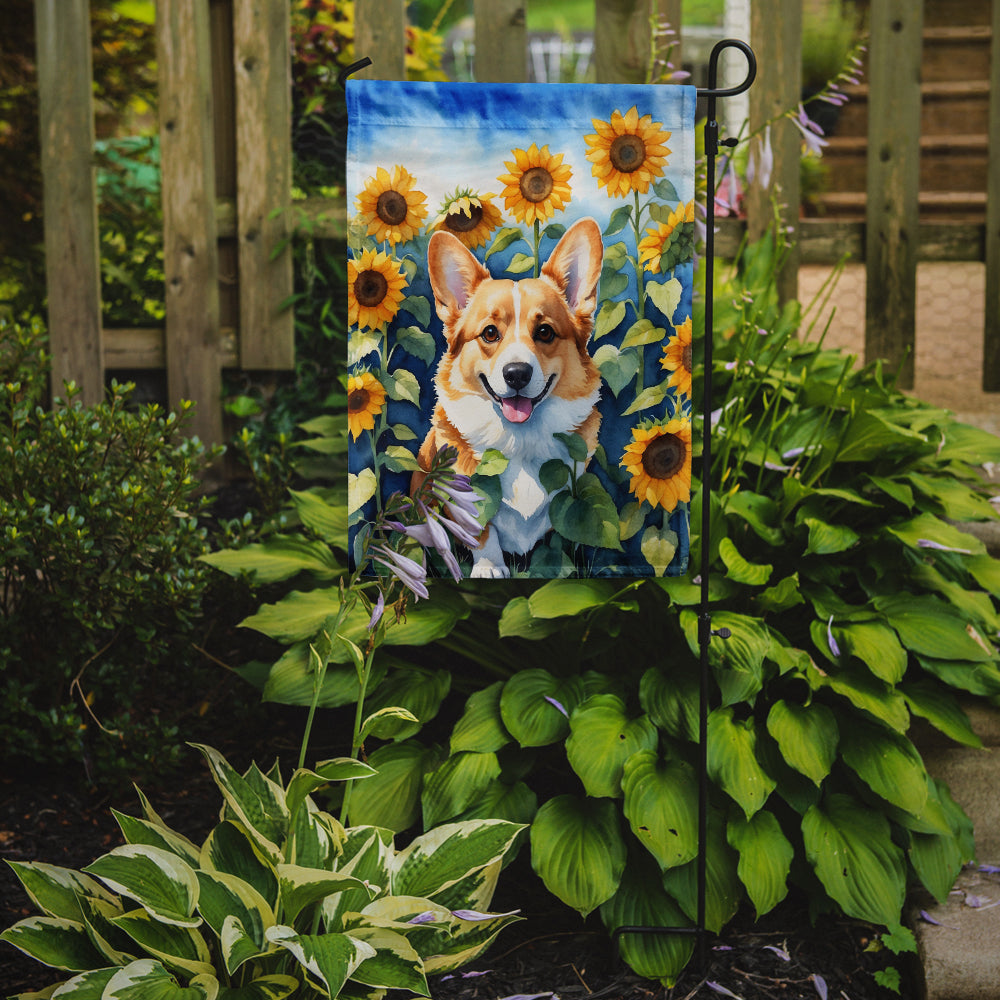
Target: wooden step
{"x": 957, "y": 206}
{"x": 956, "y": 53}
{"x": 944, "y": 12}
{"x": 947, "y": 162}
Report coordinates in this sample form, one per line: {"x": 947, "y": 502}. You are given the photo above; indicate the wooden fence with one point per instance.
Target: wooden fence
{"x": 226, "y": 161}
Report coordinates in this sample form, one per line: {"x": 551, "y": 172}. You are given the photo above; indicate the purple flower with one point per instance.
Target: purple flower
{"x": 927, "y": 543}
{"x": 427, "y": 917}
{"x": 834, "y": 648}
{"x": 475, "y": 915}
{"x": 761, "y": 163}
{"x": 820, "y": 983}
{"x": 558, "y": 705}
{"x": 780, "y": 952}
{"x": 377, "y": 612}
{"x": 811, "y": 132}
{"x": 430, "y": 534}
{"x": 408, "y": 571}
{"x": 719, "y": 988}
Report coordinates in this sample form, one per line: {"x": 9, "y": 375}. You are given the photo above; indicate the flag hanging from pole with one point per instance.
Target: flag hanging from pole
{"x": 520, "y": 270}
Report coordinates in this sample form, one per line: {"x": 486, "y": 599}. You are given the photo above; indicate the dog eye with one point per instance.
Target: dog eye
{"x": 545, "y": 333}
{"x": 491, "y": 334}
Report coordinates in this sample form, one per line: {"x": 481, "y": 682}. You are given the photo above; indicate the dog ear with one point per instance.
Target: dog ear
{"x": 575, "y": 265}
{"x": 454, "y": 272}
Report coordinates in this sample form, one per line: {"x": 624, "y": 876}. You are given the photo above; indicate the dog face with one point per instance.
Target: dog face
{"x": 516, "y": 363}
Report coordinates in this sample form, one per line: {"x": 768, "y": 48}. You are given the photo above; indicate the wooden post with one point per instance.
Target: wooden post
{"x": 776, "y": 34}
{"x": 623, "y": 40}
{"x": 261, "y": 39}
{"x": 72, "y": 255}
{"x": 893, "y": 183}
{"x": 501, "y": 38}
{"x": 991, "y": 332}
{"x": 190, "y": 253}
{"x": 380, "y": 34}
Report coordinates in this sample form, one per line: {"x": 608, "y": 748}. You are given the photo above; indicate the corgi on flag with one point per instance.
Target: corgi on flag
{"x": 520, "y": 287}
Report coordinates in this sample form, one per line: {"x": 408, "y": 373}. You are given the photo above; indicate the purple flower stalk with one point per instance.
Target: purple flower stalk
{"x": 811, "y": 132}
{"x": 408, "y": 571}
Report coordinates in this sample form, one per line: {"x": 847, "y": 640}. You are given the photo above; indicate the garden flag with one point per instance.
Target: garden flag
{"x": 520, "y": 288}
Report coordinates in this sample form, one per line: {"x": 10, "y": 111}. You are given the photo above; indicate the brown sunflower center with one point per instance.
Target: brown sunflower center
{"x": 462, "y": 222}
{"x": 664, "y": 456}
{"x": 536, "y": 184}
{"x": 627, "y": 153}
{"x": 686, "y": 357}
{"x": 357, "y": 401}
{"x": 370, "y": 288}
{"x": 391, "y": 207}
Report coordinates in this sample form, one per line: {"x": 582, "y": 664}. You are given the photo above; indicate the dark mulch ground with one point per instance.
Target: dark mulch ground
{"x": 550, "y": 952}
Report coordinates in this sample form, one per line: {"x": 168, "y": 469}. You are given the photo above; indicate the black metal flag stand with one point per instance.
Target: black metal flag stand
{"x": 705, "y": 631}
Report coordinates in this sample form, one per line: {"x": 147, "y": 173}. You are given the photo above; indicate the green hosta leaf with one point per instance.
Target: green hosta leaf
{"x": 391, "y": 798}
{"x": 738, "y": 661}
{"x": 828, "y": 539}
{"x": 976, "y": 678}
{"x": 986, "y": 572}
{"x": 159, "y": 881}
{"x": 738, "y": 569}
{"x": 301, "y": 887}
{"x": 442, "y": 857}
{"x": 888, "y": 763}
{"x": 867, "y": 693}
{"x": 665, "y": 295}
{"x": 870, "y": 436}
{"x": 609, "y": 317}
{"x": 958, "y": 502}
{"x": 515, "y": 803}
{"x": 56, "y": 891}
{"x": 578, "y": 851}
{"x": 876, "y": 646}
{"x": 671, "y": 701}
{"x": 807, "y": 736}
{"x": 641, "y": 901}
{"x": 330, "y": 959}
{"x": 481, "y": 728}
{"x": 617, "y": 368}
{"x": 765, "y": 858}
{"x": 760, "y": 512}
{"x": 529, "y": 706}
{"x": 661, "y": 799}
{"x": 279, "y": 558}
{"x": 230, "y": 849}
{"x": 850, "y": 847}
{"x": 932, "y": 628}
{"x": 147, "y": 979}
{"x": 395, "y": 964}
{"x": 928, "y": 528}
{"x": 783, "y": 595}
{"x": 328, "y": 520}
{"x": 732, "y": 760}
{"x": 558, "y": 598}
{"x": 937, "y": 858}
{"x": 723, "y": 889}
{"x": 602, "y": 738}
{"x": 417, "y": 690}
{"x": 54, "y": 941}
{"x": 938, "y": 705}
{"x": 456, "y": 784}
{"x": 180, "y": 948}
{"x": 517, "y": 620}
{"x": 260, "y": 809}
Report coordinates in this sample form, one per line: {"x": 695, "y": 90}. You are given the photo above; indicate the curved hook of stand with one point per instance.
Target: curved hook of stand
{"x": 712, "y": 90}
{"x": 353, "y": 68}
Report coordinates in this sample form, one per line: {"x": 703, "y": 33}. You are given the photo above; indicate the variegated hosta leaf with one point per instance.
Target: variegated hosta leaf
{"x": 256, "y": 801}
{"x": 116, "y": 947}
{"x": 395, "y": 964}
{"x": 723, "y": 889}
{"x": 225, "y": 897}
{"x": 765, "y": 858}
{"x": 456, "y": 784}
{"x": 481, "y": 727}
{"x": 177, "y": 947}
{"x": 141, "y": 831}
{"x": 441, "y": 857}
{"x": 230, "y": 849}
{"x": 807, "y": 736}
{"x": 54, "y": 941}
{"x": 578, "y": 851}
{"x": 732, "y": 760}
{"x": 661, "y": 805}
{"x": 850, "y": 847}
{"x": 315, "y": 838}
{"x": 602, "y": 737}
{"x": 158, "y": 880}
{"x": 468, "y": 939}
{"x": 86, "y": 986}
{"x": 304, "y": 782}
{"x": 301, "y": 887}
{"x": 275, "y": 987}
{"x": 56, "y": 891}
{"x": 149, "y": 980}
{"x": 367, "y": 853}
{"x": 328, "y": 959}
{"x": 642, "y": 902}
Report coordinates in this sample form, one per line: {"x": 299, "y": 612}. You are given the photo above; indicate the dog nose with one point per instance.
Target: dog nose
{"x": 517, "y": 374}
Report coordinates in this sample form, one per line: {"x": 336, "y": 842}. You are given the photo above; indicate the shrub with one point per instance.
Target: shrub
{"x": 280, "y": 899}
{"x": 854, "y": 604}
{"x": 99, "y": 542}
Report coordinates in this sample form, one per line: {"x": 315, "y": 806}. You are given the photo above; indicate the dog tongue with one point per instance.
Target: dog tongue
{"x": 516, "y": 409}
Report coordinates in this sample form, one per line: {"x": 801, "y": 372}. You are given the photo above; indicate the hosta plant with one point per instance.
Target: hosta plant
{"x": 279, "y": 900}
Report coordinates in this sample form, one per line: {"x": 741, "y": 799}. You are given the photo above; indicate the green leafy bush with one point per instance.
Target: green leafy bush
{"x": 280, "y": 899}
{"x": 854, "y": 604}
{"x": 101, "y": 584}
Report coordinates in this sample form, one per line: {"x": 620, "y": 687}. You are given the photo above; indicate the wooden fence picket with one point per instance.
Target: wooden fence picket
{"x": 991, "y": 331}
